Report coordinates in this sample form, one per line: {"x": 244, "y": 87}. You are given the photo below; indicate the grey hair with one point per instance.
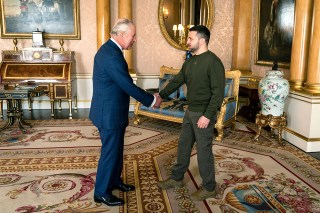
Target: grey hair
{"x": 122, "y": 25}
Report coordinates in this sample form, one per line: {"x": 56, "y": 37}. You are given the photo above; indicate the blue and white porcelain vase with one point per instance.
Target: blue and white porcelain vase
{"x": 273, "y": 91}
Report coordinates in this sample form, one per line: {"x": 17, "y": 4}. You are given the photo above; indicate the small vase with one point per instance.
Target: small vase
{"x": 273, "y": 91}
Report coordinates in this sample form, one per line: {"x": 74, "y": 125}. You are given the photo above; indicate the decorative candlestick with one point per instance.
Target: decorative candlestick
{"x": 61, "y": 42}
{"x": 180, "y": 28}
{"x": 175, "y": 30}
{"x": 15, "y": 42}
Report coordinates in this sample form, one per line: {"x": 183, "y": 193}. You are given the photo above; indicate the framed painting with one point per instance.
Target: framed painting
{"x": 274, "y": 34}
{"x": 55, "y": 18}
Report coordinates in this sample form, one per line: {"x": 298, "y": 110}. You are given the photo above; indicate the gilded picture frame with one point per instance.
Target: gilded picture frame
{"x": 274, "y": 32}
{"x": 57, "y": 19}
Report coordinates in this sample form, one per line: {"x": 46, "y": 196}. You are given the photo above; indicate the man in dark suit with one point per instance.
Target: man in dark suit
{"x": 112, "y": 88}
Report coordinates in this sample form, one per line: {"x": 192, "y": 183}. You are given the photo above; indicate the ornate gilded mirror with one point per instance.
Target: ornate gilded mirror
{"x": 177, "y": 16}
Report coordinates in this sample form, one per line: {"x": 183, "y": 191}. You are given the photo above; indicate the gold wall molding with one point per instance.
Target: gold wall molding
{"x": 301, "y": 136}
{"x": 296, "y": 84}
{"x": 302, "y": 94}
{"x": 307, "y": 92}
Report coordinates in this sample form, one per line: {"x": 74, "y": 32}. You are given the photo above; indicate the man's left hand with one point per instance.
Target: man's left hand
{"x": 203, "y": 122}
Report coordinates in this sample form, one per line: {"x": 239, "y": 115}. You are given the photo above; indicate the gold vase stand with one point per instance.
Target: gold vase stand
{"x": 275, "y": 122}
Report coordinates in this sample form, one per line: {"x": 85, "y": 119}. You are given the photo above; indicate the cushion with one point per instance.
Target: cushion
{"x": 173, "y": 107}
{"x": 231, "y": 109}
{"x": 228, "y": 88}
{"x": 183, "y": 92}
{"x": 163, "y": 83}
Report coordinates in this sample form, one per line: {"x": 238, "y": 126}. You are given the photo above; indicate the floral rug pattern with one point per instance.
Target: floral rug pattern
{"x": 53, "y": 168}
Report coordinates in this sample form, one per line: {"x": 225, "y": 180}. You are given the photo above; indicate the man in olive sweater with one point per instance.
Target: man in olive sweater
{"x": 204, "y": 76}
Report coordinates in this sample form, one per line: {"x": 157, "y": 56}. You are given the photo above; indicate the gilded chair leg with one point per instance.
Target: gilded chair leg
{"x": 220, "y": 133}
{"x": 137, "y": 120}
{"x": 233, "y": 125}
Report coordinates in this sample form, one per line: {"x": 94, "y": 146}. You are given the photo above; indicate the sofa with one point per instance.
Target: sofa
{"x": 173, "y": 108}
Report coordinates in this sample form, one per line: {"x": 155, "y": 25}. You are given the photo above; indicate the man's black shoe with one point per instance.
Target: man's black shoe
{"x": 125, "y": 187}
{"x": 110, "y": 201}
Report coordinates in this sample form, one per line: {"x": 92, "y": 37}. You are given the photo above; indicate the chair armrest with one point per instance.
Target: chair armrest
{"x": 152, "y": 90}
{"x": 228, "y": 99}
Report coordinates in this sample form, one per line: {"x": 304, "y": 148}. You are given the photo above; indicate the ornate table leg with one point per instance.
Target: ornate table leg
{"x": 10, "y": 115}
{"x": 51, "y": 96}
{"x": 59, "y": 104}
{"x": 279, "y": 136}
{"x": 20, "y": 119}
{"x": 261, "y": 121}
{"x": 52, "y": 107}
{"x": 75, "y": 102}
{"x": 14, "y": 108}
{"x": 70, "y": 108}
{"x": 256, "y": 137}
{"x": 19, "y": 115}
{"x": 1, "y": 108}
{"x": 275, "y": 122}
{"x": 30, "y": 103}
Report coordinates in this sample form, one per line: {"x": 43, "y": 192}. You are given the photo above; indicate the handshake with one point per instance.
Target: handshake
{"x": 158, "y": 100}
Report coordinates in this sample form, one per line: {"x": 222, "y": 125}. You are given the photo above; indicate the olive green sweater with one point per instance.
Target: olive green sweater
{"x": 204, "y": 76}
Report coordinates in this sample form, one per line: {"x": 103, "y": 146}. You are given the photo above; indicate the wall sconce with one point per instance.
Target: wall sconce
{"x": 181, "y": 38}
{"x": 175, "y": 28}
{"x": 165, "y": 13}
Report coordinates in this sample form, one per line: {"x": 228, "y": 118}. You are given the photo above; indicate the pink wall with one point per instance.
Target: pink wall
{"x": 152, "y": 50}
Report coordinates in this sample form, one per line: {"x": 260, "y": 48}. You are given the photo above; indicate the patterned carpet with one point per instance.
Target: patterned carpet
{"x": 52, "y": 169}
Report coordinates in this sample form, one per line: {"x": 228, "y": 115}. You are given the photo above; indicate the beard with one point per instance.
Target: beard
{"x": 194, "y": 48}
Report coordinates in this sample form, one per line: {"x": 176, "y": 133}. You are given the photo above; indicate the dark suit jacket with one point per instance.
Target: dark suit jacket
{"x": 112, "y": 88}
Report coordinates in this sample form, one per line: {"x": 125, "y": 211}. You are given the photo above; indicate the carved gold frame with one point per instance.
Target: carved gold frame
{"x": 259, "y": 29}
{"x": 163, "y": 28}
{"x": 47, "y": 34}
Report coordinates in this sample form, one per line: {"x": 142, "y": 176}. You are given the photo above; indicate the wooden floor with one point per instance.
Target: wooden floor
{"x": 45, "y": 114}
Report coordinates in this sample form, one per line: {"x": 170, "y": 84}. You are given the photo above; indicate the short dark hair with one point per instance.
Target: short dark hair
{"x": 202, "y": 32}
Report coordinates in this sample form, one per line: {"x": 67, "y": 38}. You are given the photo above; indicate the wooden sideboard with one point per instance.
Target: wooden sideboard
{"x": 49, "y": 70}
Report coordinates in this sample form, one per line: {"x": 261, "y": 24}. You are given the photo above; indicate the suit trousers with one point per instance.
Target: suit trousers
{"x": 111, "y": 161}
{"x": 190, "y": 134}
